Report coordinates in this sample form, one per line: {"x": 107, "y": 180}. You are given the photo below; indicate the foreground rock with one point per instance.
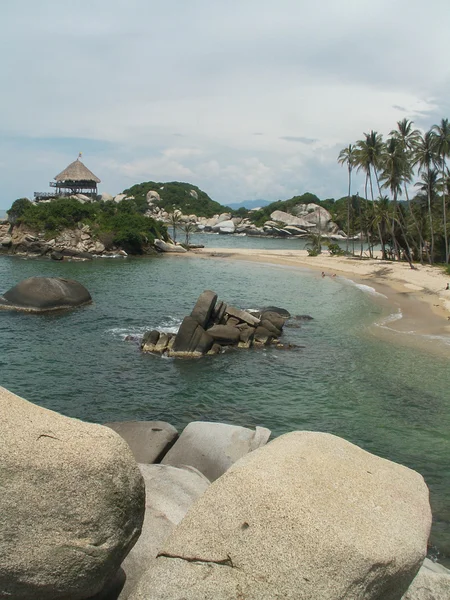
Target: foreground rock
{"x": 148, "y": 440}
{"x": 71, "y": 507}
{"x": 432, "y": 582}
{"x": 40, "y": 294}
{"x": 213, "y": 447}
{"x": 307, "y": 516}
{"x": 169, "y": 493}
{"x": 214, "y": 325}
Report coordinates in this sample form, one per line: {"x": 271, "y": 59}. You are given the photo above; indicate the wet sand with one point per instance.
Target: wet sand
{"x": 419, "y": 293}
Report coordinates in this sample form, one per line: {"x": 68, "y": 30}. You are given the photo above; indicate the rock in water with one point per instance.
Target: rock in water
{"x": 71, "y": 507}
{"x": 308, "y": 516}
{"x": 39, "y": 294}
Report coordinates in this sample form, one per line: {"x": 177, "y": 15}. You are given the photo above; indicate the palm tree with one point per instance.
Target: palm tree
{"x": 174, "y": 221}
{"x": 368, "y": 157}
{"x": 188, "y": 229}
{"x": 442, "y": 133}
{"x": 347, "y": 156}
{"x": 408, "y": 139}
{"x": 425, "y": 158}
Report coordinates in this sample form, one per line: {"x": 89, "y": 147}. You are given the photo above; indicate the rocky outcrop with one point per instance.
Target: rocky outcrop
{"x": 40, "y": 294}
{"x": 307, "y": 516}
{"x": 213, "y": 447}
{"x": 71, "y": 507}
{"x": 214, "y": 325}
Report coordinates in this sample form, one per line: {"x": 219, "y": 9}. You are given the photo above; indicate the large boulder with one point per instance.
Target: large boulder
{"x": 204, "y": 307}
{"x": 40, "y": 294}
{"x": 213, "y": 447}
{"x": 163, "y": 246}
{"x": 148, "y": 440}
{"x": 307, "y": 516}
{"x": 71, "y": 507}
{"x": 225, "y": 335}
{"x": 191, "y": 339}
{"x": 169, "y": 493}
{"x": 288, "y": 219}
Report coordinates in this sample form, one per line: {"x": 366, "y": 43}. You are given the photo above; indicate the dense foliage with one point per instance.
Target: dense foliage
{"x": 175, "y": 195}
{"x": 406, "y": 228}
{"x": 114, "y": 224}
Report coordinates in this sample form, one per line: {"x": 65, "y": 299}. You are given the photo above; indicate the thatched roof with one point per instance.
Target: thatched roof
{"x": 76, "y": 171}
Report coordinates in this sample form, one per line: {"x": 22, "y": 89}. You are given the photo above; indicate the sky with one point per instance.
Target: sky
{"x": 246, "y": 99}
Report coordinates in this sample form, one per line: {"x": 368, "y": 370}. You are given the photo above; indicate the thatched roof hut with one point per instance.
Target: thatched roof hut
{"x": 77, "y": 172}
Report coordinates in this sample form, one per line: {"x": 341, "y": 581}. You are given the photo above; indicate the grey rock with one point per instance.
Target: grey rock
{"x": 309, "y": 516}
{"x": 71, "y": 507}
{"x": 149, "y": 340}
{"x": 204, "y": 307}
{"x": 191, "y": 339}
{"x": 270, "y": 327}
{"x": 213, "y": 447}
{"x": 263, "y": 336}
{"x": 39, "y": 294}
{"x": 276, "y": 309}
{"x": 148, "y": 440}
{"x": 226, "y": 335}
{"x": 169, "y": 493}
{"x": 242, "y": 315}
{"x": 275, "y": 318}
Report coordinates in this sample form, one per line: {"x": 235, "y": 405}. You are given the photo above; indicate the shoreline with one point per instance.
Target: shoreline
{"x": 419, "y": 293}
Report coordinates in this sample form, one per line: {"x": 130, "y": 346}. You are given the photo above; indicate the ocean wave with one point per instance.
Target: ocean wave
{"x": 367, "y": 289}
{"x": 390, "y": 319}
{"x": 167, "y": 325}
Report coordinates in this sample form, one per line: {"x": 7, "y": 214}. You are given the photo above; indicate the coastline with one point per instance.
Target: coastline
{"x": 419, "y": 293}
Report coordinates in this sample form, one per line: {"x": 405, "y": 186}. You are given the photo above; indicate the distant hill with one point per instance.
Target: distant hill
{"x": 187, "y": 198}
{"x": 249, "y": 204}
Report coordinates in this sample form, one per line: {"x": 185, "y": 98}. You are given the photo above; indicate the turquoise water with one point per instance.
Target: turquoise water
{"x": 389, "y": 398}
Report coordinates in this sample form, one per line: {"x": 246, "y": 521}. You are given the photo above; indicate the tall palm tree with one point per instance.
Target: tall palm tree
{"x": 368, "y": 157}
{"x": 426, "y": 158}
{"x": 442, "y": 133}
{"x": 347, "y": 156}
{"x": 174, "y": 221}
{"x": 408, "y": 138}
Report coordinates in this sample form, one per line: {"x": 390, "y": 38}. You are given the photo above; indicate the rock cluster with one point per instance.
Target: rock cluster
{"x": 214, "y": 325}
{"x": 307, "y": 515}
{"x": 78, "y": 243}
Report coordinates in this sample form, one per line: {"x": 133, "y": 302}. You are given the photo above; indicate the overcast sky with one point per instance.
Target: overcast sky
{"x": 245, "y": 98}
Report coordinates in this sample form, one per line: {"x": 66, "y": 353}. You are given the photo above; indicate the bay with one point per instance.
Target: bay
{"x": 391, "y": 399}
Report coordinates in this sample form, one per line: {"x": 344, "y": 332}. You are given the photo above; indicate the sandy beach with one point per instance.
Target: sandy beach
{"x": 419, "y": 293}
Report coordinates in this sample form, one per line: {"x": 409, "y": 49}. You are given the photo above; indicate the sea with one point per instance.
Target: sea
{"x": 385, "y": 393}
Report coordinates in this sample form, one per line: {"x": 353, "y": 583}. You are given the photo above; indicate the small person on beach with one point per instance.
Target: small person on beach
{"x": 323, "y": 273}
{"x": 448, "y": 286}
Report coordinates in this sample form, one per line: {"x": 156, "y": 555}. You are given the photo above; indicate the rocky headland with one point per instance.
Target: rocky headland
{"x": 135, "y": 510}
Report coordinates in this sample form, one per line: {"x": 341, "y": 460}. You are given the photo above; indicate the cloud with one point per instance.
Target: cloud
{"x": 162, "y": 93}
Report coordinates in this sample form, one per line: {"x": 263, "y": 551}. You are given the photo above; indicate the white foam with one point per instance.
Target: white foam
{"x": 390, "y": 319}
{"x": 367, "y": 289}
{"x": 167, "y": 325}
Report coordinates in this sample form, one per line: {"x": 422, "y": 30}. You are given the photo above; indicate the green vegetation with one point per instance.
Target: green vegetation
{"x": 114, "y": 224}
{"x": 187, "y": 198}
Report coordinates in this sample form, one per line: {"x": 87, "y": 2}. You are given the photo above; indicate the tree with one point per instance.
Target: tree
{"x": 18, "y": 208}
{"x": 189, "y": 229}
{"x": 442, "y": 140}
{"x": 425, "y": 157}
{"x": 348, "y": 156}
{"x": 369, "y": 154}
{"x": 408, "y": 138}
{"x": 174, "y": 221}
